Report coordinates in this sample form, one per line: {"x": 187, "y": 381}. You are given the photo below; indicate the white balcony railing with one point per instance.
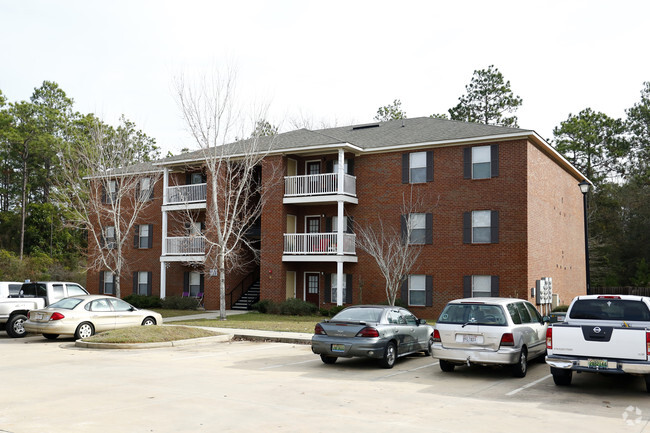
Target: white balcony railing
{"x": 318, "y": 184}
{"x": 186, "y": 246}
{"x": 317, "y": 243}
{"x": 187, "y": 193}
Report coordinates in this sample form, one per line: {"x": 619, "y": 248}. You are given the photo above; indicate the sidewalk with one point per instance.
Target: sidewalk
{"x": 244, "y": 334}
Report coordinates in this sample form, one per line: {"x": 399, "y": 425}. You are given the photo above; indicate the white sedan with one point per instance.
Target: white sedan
{"x": 83, "y": 316}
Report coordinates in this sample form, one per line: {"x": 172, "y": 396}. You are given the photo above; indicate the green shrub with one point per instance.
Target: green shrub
{"x": 142, "y": 301}
{"x": 179, "y": 303}
{"x": 297, "y": 307}
{"x": 336, "y": 310}
{"x": 560, "y": 308}
{"x": 262, "y": 306}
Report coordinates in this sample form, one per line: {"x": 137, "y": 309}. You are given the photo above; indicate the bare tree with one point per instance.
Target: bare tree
{"x": 117, "y": 191}
{"x": 390, "y": 244}
{"x": 236, "y": 189}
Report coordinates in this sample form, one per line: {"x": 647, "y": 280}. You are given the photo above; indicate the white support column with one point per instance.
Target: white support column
{"x": 165, "y": 184}
{"x": 339, "y": 283}
{"x": 339, "y": 219}
{"x": 341, "y": 172}
{"x": 163, "y": 280}
{"x": 164, "y": 233}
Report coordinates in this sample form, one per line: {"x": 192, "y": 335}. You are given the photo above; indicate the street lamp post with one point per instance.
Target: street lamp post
{"x": 584, "y": 188}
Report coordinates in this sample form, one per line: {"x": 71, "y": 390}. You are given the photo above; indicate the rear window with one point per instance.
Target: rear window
{"x": 14, "y": 289}
{"x": 475, "y": 314}
{"x": 66, "y": 304}
{"x": 33, "y": 290}
{"x": 610, "y": 309}
{"x": 359, "y": 315}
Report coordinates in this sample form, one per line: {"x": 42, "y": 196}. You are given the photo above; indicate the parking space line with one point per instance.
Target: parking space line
{"x": 407, "y": 371}
{"x": 288, "y": 364}
{"x": 528, "y": 385}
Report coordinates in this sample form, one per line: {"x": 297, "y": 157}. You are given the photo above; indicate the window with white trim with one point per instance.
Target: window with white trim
{"x": 144, "y": 236}
{"x": 143, "y": 283}
{"x": 109, "y": 237}
{"x": 109, "y": 283}
{"x": 417, "y": 290}
{"x": 145, "y": 189}
{"x": 481, "y": 162}
{"x": 418, "y": 167}
{"x": 481, "y": 286}
{"x": 481, "y": 227}
{"x": 195, "y": 283}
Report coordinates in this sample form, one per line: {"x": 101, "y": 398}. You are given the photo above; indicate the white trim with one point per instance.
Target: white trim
{"x": 332, "y": 258}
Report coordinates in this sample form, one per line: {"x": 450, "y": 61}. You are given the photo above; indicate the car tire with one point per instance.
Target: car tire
{"x": 521, "y": 368}
{"x": 148, "y": 321}
{"x": 51, "y": 336}
{"x": 390, "y": 355}
{"x": 84, "y": 330}
{"x": 328, "y": 359}
{"x": 447, "y": 366}
{"x": 15, "y": 326}
{"x": 562, "y": 377}
{"x": 647, "y": 382}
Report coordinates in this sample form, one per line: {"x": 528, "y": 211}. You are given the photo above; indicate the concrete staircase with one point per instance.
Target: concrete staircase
{"x": 251, "y": 296}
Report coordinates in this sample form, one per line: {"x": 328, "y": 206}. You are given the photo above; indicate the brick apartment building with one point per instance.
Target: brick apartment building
{"x": 505, "y": 211}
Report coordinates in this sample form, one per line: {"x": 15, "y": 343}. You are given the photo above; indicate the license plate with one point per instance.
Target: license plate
{"x": 600, "y": 363}
{"x": 470, "y": 338}
{"x": 39, "y": 316}
{"x": 338, "y": 348}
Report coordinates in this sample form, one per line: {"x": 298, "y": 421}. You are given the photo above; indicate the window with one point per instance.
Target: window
{"x": 346, "y": 166}
{"x": 119, "y": 305}
{"x": 523, "y": 313}
{"x": 100, "y": 305}
{"x": 481, "y": 285}
{"x": 481, "y": 162}
{"x": 57, "y": 289}
{"x": 107, "y": 283}
{"x": 417, "y": 167}
{"x": 533, "y": 313}
{"x": 418, "y": 225}
{"x": 481, "y": 227}
{"x": 142, "y": 283}
{"x": 196, "y": 178}
{"x": 143, "y": 236}
{"x": 334, "y": 288}
{"x": 417, "y": 290}
{"x": 110, "y": 192}
{"x": 145, "y": 188}
{"x": 195, "y": 283}
{"x": 109, "y": 237}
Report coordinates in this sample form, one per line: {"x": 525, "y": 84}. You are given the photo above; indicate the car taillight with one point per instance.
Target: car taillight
{"x": 507, "y": 339}
{"x": 57, "y": 316}
{"x": 549, "y": 338}
{"x": 368, "y": 332}
{"x": 29, "y": 315}
{"x": 436, "y": 336}
{"x": 609, "y": 297}
{"x": 647, "y": 342}
{"x": 319, "y": 330}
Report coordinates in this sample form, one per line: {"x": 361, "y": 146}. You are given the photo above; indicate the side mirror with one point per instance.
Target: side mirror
{"x": 422, "y": 322}
{"x": 546, "y": 319}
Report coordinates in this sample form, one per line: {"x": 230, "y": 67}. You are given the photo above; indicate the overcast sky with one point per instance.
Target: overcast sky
{"x": 331, "y": 61}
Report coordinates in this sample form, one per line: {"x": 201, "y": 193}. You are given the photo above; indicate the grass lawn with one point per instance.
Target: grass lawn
{"x": 266, "y": 322}
{"x": 149, "y": 334}
{"x": 176, "y": 313}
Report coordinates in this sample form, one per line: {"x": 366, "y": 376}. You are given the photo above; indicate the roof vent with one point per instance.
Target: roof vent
{"x": 366, "y": 126}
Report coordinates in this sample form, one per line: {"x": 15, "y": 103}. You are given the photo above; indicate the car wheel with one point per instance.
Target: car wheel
{"x": 390, "y": 355}
{"x": 328, "y": 359}
{"x": 51, "y": 336}
{"x": 521, "y": 368}
{"x": 562, "y": 377}
{"x": 148, "y": 321}
{"x": 14, "y": 326}
{"x": 84, "y": 330}
{"x": 647, "y": 382}
{"x": 447, "y": 366}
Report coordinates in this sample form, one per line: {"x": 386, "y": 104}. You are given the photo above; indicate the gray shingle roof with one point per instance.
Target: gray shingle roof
{"x": 372, "y": 136}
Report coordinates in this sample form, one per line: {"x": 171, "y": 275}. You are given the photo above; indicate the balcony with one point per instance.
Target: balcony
{"x": 322, "y": 247}
{"x": 187, "y": 196}
{"x": 184, "y": 249}
{"x": 320, "y": 188}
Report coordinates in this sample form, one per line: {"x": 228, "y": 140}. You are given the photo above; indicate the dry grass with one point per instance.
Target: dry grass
{"x": 265, "y": 322}
{"x": 150, "y": 334}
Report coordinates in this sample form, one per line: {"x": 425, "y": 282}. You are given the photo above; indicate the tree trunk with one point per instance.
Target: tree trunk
{"x": 23, "y": 204}
{"x": 222, "y": 287}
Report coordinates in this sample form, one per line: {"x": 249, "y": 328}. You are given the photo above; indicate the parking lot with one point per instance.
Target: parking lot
{"x": 246, "y": 386}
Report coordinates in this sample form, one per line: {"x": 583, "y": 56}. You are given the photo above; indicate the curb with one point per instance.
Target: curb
{"x": 178, "y": 343}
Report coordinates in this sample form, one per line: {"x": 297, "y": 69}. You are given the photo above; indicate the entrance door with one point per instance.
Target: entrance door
{"x": 312, "y": 281}
{"x": 313, "y": 167}
{"x": 312, "y": 225}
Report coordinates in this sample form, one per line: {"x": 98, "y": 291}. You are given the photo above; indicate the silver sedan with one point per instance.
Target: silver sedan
{"x": 489, "y": 331}
{"x": 373, "y": 331}
{"x": 83, "y": 316}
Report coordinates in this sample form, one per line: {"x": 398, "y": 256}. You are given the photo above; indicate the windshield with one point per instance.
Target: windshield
{"x": 66, "y": 304}
{"x": 474, "y": 314}
{"x": 359, "y": 315}
{"x": 610, "y": 309}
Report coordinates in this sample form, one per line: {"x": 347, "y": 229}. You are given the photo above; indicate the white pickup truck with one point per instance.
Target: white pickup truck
{"x": 601, "y": 334}
{"x": 31, "y": 296}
